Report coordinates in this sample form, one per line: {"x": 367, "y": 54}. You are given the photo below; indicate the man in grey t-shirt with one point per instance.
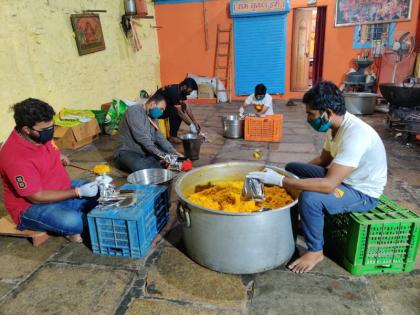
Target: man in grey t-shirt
{"x": 143, "y": 145}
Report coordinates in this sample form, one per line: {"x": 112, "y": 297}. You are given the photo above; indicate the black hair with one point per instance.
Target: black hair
{"x": 190, "y": 83}
{"x": 30, "y": 112}
{"x": 260, "y": 89}
{"x": 157, "y": 97}
{"x": 325, "y": 95}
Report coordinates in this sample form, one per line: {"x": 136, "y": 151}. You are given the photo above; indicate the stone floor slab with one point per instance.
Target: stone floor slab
{"x": 283, "y": 292}
{"x": 286, "y": 157}
{"x": 19, "y": 258}
{"x": 5, "y": 288}
{"x": 398, "y": 294}
{"x": 244, "y": 155}
{"x": 158, "y": 307}
{"x": 67, "y": 289}
{"x": 209, "y": 149}
{"x": 80, "y": 254}
{"x": 293, "y": 147}
{"x": 293, "y": 138}
{"x": 175, "y": 276}
{"x": 204, "y": 160}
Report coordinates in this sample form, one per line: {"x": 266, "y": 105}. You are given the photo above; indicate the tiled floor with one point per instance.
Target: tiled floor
{"x": 65, "y": 278}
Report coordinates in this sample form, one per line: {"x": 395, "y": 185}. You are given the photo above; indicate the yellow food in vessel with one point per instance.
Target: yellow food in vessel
{"x": 226, "y": 196}
{"x": 101, "y": 169}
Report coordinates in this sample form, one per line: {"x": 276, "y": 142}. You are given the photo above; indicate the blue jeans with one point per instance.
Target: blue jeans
{"x": 130, "y": 162}
{"x": 67, "y": 217}
{"x": 313, "y": 205}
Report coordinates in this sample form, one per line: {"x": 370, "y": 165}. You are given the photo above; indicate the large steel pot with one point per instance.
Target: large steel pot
{"x": 237, "y": 243}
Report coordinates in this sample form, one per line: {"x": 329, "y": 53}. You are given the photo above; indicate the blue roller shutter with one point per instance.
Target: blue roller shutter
{"x": 260, "y": 53}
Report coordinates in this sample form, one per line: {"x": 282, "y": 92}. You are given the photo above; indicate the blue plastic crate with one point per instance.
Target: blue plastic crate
{"x": 129, "y": 231}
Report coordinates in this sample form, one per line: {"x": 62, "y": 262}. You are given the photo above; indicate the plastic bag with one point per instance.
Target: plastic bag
{"x": 73, "y": 117}
{"x": 114, "y": 115}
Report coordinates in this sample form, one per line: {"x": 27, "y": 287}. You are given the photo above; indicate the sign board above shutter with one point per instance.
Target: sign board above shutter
{"x": 248, "y": 8}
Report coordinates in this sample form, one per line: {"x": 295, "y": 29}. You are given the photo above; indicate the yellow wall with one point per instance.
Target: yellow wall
{"x": 39, "y": 58}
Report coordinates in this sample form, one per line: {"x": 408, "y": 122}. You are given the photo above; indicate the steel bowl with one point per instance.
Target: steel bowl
{"x": 360, "y": 103}
{"x": 150, "y": 176}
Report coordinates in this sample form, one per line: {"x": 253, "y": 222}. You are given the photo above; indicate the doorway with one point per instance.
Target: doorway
{"x": 307, "y": 47}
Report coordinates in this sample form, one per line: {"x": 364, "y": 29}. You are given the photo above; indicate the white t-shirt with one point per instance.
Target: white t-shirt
{"x": 266, "y": 101}
{"x": 357, "y": 145}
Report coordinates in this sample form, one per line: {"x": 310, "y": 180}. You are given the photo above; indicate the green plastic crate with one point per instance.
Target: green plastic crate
{"x": 383, "y": 240}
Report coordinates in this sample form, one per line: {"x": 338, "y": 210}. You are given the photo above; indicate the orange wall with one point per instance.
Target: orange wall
{"x": 182, "y": 46}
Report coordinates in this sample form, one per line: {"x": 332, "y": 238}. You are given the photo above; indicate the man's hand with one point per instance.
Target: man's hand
{"x": 64, "y": 159}
{"x": 324, "y": 159}
{"x": 197, "y": 126}
{"x": 87, "y": 190}
{"x": 268, "y": 176}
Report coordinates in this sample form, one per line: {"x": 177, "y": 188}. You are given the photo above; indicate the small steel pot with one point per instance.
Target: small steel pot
{"x": 233, "y": 126}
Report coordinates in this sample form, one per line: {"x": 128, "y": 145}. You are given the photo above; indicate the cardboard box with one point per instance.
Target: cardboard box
{"x": 205, "y": 91}
{"x": 76, "y": 136}
{"x": 106, "y": 106}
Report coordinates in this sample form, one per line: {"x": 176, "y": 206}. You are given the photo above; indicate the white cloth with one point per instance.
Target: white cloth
{"x": 357, "y": 145}
{"x": 266, "y": 101}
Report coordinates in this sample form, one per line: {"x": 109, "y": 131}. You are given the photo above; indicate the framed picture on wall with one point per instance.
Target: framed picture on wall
{"x": 367, "y": 35}
{"x": 352, "y": 12}
{"x": 88, "y": 31}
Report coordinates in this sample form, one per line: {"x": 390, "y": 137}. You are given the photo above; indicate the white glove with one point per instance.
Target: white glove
{"x": 241, "y": 111}
{"x": 193, "y": 128}
{"x": 87, "y": 190}
{"x": 170, "y": 158}
{"x": 268, "y": 176}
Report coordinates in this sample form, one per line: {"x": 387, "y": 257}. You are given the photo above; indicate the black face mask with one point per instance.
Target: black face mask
{"x": 44, "y": 135}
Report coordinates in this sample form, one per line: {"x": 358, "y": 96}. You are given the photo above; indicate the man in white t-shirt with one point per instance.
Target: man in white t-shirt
{"x": 348, "y": 176}
{"x": 261, "y": 100}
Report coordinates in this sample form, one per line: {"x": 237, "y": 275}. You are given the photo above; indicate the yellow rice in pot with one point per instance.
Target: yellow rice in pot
{"x": 226, "y": 196}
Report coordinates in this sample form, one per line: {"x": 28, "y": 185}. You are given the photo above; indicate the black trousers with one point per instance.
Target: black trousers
{"x": 174, "y": 120}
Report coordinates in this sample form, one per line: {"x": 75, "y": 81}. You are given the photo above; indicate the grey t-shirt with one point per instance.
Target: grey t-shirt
{"x": 140, "y": 136}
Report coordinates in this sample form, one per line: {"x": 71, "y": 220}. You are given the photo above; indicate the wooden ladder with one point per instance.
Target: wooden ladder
{"x": 222, "y": 66}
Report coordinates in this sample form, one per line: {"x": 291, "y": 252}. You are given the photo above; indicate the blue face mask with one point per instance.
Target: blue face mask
{"x": 319, "y": 124}
{"x": 155, "y": 112}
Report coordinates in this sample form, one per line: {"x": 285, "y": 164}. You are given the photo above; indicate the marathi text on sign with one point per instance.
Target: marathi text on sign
{"x": 249, "y": 6}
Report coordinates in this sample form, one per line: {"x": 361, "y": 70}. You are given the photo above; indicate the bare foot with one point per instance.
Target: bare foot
{"x": 76, "y": 238}
{"x": 307, "y": 262}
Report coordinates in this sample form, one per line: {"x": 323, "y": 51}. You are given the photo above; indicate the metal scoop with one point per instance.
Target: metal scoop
{"x": 253, "y": 189}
